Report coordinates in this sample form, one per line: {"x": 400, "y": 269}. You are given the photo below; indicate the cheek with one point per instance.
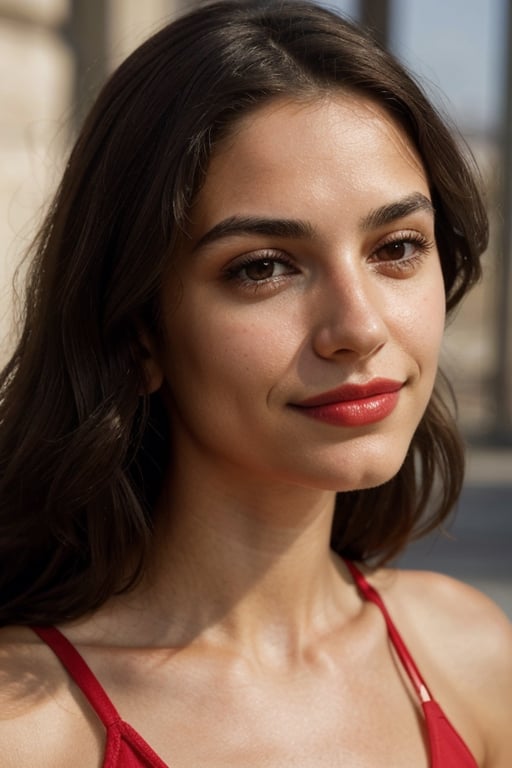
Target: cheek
{"x": 432, "y": 313}
{"x": 428, "y": 340}
{"x": 420, "y": 322}
{"x": 233, "y": 352}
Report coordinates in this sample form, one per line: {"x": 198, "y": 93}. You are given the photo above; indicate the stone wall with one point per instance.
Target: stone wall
{"x": 36, "y": 112}
{"x": 35, "y": 94}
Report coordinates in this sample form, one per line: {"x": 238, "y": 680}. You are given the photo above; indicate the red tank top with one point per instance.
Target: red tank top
{"x": 125, "y": 748}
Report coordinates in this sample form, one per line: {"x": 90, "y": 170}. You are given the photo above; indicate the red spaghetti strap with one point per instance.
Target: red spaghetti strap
{"x": 124, "y": 747}
{"x": 371, "y": 594}
{"x": 80, "y": 673}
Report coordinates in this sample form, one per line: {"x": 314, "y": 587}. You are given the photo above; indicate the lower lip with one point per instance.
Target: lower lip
{"x": 354, "y": 413}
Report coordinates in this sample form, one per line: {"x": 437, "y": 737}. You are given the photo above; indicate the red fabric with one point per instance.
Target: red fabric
{"x": 447, "y": 749}
{"x": 125, "y": 748}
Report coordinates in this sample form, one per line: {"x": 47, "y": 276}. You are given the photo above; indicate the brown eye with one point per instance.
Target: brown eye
{"x": 259, "y": 270}
{"x": 263, "y": 269}
{"x": 402, "y": 255}
{"x": 401, "y": 249}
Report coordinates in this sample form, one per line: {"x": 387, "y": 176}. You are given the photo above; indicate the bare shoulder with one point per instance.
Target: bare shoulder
{"x": 436, "y": 600}
{"x": 40, "y": 713}
{"x": 26, "y": 672}
{"x": 464, "y": 641}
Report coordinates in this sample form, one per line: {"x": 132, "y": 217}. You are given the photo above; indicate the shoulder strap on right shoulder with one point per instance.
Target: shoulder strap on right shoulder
{"x": 80, "y": 673}
{"x": 370, "y": 593}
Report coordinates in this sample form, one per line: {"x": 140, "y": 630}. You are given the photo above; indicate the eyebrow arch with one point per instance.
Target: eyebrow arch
{"x": 298, "y": 229}
{"x": 387, "y": 214}
{"x": 256, "y": 225}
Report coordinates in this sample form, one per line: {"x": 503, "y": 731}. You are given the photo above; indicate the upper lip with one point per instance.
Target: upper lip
{"x": 349, "y": 392}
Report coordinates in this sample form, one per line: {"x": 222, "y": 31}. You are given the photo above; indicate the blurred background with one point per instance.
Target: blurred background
{"x": 54, "y": 55}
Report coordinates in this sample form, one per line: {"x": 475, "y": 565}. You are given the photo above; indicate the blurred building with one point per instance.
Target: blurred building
{"x": 54, "y": 54}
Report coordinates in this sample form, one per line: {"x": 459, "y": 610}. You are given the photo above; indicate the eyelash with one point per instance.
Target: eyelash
{"x": 420, "y": 243}
{"x": 234, "y": 271}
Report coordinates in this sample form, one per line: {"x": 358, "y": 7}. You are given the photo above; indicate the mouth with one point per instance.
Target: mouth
{"x": 353, "y": 405}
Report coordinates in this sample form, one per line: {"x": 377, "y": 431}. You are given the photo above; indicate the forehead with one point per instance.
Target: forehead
{"x": 288, "y": 154}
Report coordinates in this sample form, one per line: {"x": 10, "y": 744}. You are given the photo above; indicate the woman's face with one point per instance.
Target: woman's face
{"x": 305, "y": 344}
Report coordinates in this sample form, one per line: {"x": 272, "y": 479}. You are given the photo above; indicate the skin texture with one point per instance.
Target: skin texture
{"x": 341, "y": 311}
{"x": 248, "y": 630}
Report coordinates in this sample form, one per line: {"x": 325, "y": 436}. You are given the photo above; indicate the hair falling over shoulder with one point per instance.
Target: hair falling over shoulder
{"x": 82, "y": 451}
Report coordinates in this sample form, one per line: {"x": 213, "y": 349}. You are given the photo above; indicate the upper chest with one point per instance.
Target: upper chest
{"x": 217, "y": 714}
{"x": 351, "y": 706}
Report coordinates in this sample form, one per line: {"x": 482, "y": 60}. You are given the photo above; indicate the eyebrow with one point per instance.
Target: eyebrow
{"x": 257, "y": 225}
{"x": 299, "y": 229}
{"x": 387, "y": 214}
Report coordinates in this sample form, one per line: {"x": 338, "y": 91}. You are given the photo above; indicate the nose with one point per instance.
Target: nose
{"x": 349, "y": 315}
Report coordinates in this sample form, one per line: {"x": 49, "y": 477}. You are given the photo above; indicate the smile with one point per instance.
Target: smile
{"x": 353, "y": 405}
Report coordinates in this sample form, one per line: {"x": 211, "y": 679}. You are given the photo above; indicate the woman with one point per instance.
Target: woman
{"x": 224, "y": 394}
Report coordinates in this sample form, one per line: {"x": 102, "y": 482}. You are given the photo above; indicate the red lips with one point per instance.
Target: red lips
{"x": 353, "y": 405}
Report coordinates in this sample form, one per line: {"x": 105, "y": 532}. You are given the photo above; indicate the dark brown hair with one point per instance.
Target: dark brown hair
{"x": 81, "y": 451}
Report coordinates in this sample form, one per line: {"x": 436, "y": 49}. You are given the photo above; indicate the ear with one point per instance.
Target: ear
{"x": 153, "y": 373}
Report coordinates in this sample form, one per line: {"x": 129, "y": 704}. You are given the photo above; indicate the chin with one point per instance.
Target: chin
{"x": 358, "y": 475}
{"x": 352, "y": 478}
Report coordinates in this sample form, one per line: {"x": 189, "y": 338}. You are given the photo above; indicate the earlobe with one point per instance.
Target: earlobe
{"x": 153, "y": 374}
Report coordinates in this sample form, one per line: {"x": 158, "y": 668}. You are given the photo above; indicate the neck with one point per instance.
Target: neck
{"x": 245, "y": 565}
